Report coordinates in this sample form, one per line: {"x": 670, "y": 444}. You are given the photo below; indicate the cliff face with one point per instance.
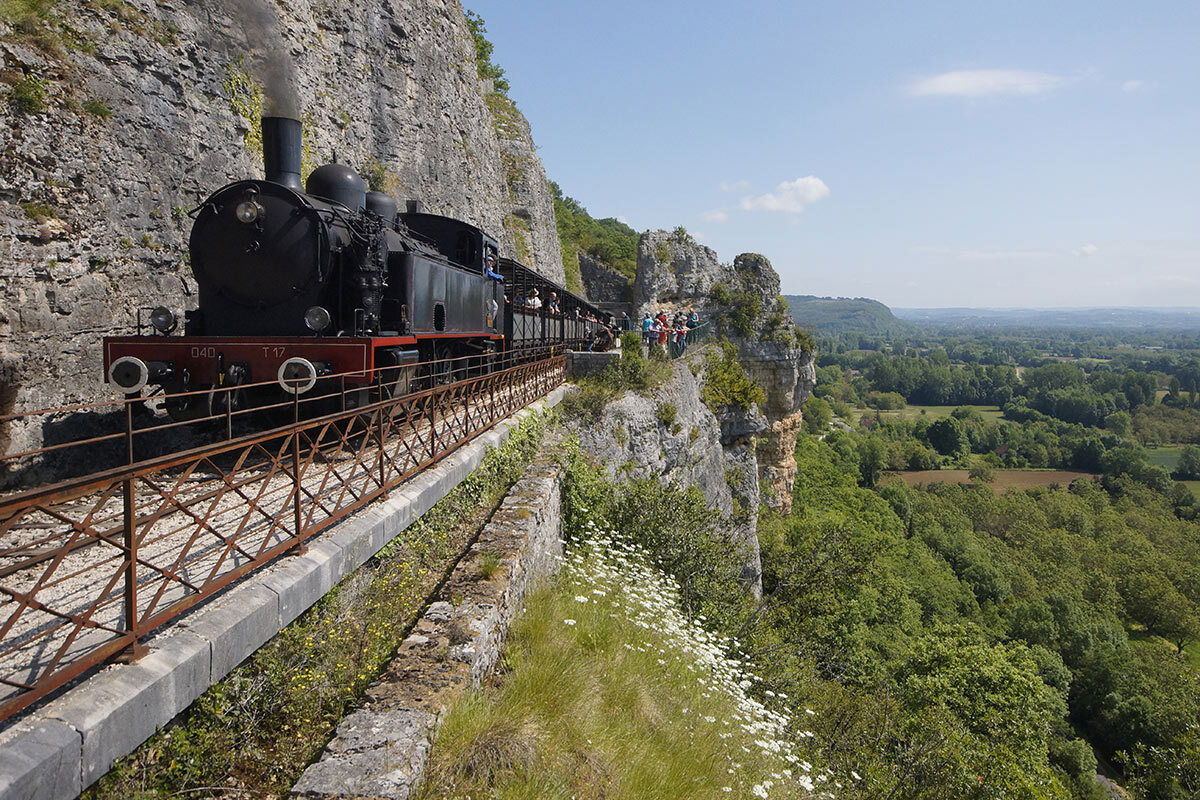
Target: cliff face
{"x": 146, "y": 106}
{"x": 741, "y": 301}
{"x": 716, "y": 454}
{"x": 602, "y": 283}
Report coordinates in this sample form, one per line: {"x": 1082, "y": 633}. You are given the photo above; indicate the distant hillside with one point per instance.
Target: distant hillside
{"x": 1115, "y": 318}
{"x": 833, "y": 315}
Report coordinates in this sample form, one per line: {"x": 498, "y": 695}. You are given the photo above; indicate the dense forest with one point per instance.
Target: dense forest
{"x": 957, "y": 640}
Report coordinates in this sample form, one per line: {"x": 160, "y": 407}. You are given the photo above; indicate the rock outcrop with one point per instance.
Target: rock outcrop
{"x": 742, "y": 302}
{"x": 673, "y": 270}
{"x": 120, "y": 116}
{"x": 670, "y": 435}
{"x": 603, "y": 285}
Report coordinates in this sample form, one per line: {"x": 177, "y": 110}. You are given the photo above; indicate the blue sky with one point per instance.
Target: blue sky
{"x": 921, "y": 153}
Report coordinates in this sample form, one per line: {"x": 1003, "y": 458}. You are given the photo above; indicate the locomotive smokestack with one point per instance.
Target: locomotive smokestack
{"x": 281, "y": 151}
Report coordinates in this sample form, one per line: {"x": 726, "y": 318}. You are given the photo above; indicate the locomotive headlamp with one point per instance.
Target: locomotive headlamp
{"x": 317, "y": 319}
{"x": 163, "y": 320}
{"x": 248, "y": 211}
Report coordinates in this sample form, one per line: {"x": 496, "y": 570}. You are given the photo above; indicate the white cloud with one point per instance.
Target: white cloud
{"x": 790, "y": 197}
{"x": 621, "y": 219}
{"x": 716, "y": 215}
{"x": 1086, "y": 250}
{"x": 735, "y": 186}
{"x": 981, "y": 82}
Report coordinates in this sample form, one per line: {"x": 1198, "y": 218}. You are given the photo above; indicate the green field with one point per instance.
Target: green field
{"x": 1167, "y": 456}
{"x": 990, "y": 413}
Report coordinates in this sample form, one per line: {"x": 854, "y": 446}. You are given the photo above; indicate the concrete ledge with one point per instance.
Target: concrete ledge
{"x": 584, "y": 363}
{"x": 40, "y": 761}
{"x": 63, "y": 747}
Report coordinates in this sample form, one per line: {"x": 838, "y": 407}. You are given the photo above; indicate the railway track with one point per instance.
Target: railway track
{"x": 91, "y": 566}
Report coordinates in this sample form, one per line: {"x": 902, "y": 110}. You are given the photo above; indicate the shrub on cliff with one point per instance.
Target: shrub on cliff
{"x": 634, "y": 372}
{"x": 488, "y": 69}
{"x": 726, "y": 382}
{"x": 742, "y": 308}
{"x": 681, "y": 534}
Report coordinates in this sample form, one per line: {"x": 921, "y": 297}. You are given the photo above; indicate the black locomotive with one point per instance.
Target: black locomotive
{"x": 333, "y": 280}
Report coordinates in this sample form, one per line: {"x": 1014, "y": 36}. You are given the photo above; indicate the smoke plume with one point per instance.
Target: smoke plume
{"x": 269, "y": 60}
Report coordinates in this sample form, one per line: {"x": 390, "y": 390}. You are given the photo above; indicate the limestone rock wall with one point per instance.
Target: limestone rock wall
{"x": 740, "y": 301}
{"x": 674, "y": 271}
{"x": 714, "y": 454}
{"x": 148, "y": 106}
{"x": 603, "y": 284}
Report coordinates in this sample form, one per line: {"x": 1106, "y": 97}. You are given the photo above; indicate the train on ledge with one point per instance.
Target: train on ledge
{"x": 296, "y": 283}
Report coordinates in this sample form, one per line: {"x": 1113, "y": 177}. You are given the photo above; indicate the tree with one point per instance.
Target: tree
{"x": 872, "y": 460}
{"x": 996, "y": 703}
{"x": 1188, "y": 468}
{"x": 817, "y": 415}
{"x": 981, "y": 473}
{"x": 947, "y": 436}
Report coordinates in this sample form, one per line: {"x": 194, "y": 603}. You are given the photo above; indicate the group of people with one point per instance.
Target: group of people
{"x": 658, "y": 329}
{"x": 662, "y": 328}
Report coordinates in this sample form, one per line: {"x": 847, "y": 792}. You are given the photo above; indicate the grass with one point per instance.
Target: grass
{"x": 608, "y": 692}
{"x": 1004, "y": 479}
{"x": 1167, "y": 456}
{"x": 255, "y": 731}
{"x": 989, "y": 413}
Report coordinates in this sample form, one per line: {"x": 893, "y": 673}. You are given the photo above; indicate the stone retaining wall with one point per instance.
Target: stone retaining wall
{"x": 380, "y": 750}
{"x": 64, "y": 746}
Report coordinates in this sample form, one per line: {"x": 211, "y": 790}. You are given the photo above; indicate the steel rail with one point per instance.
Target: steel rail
{"x": 90, "y": 566}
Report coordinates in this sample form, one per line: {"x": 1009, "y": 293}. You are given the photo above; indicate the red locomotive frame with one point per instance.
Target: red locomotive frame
{"x": 202, "y": 357}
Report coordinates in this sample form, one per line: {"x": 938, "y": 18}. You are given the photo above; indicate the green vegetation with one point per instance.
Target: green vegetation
{"x": 830, "y": 315}
{"x": 246, "y": 100}
{"x": 255, "y": 731}
{"x": 634, "y": 372}
{"x": 489, "y": 564}
{"x": 608, "y": 240}
{"x": 961, "y": 634}
{"x": 1096, "y": 580}
{"x": 609, "y": 692}
{"x": 487, "y": 69}
{"x": 666, "y": 414}
{"x": 39, "y": 210}
{"x": 742, "y": 308}
{"x": 377, "y": 176}
{"x": 28, "y": 95}
{"x": 726, "y": 383}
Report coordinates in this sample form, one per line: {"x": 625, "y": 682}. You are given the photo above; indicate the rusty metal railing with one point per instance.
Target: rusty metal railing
{"x": 91, "y": 565}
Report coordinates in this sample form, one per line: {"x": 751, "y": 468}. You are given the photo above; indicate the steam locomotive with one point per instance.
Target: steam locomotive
{"x": 332, "y": 279}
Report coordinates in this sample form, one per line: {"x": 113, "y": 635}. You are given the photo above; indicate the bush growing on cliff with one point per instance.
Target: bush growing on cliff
{"x": 487, "y": 69}
{"x": 726, "y": 382}
{"x": 682, "y": 534}
{"x": 742, "y": 308}
{"x": 608, "y": 240}
{"x": 634, "y": 372}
